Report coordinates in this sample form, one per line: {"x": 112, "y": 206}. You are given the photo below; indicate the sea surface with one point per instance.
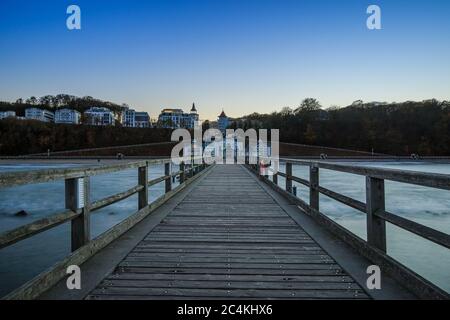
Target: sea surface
{"x": 25, "y": 259}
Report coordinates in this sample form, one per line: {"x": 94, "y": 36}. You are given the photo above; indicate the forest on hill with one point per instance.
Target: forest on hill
{"x": 52, "y": 103}
{"x": 402, "y": 128}
{"x": 21, "y": 137}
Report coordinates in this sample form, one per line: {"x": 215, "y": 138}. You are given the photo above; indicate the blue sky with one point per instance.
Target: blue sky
{"x": 243, "y": 56}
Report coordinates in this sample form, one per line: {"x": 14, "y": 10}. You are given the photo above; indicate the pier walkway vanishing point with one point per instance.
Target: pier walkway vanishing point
{"x": 226, "y": 232}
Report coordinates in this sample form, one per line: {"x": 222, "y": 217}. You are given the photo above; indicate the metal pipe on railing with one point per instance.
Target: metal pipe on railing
{"x": 77, "y": 196}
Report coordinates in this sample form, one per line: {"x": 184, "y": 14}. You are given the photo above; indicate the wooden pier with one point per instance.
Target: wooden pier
{"x": 227, "y": 232}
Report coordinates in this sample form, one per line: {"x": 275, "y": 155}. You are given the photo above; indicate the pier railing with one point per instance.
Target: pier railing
{"x": 374, "y": 248}
{"x": 79, "y": 209}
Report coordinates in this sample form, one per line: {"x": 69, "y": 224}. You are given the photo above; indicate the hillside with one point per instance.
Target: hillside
{"x": 20, "y": 137}
{"x": 395, "y": 128}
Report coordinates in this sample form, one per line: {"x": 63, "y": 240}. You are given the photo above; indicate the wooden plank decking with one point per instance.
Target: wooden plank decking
{"x": 228, "y": 238}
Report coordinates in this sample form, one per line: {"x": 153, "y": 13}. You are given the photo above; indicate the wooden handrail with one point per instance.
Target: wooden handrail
{"x": 434, "y": 180}
{"x": 11, "y": 179}
{"x": 376, "y": 215}
{"x": 45, "y": 280}
{"x": 428, "y": 233}
{"x": 23, "y": 232}
{"x": 80, "y": 228}
{"x": 355, "y": 204}
{"x": 115, "y": 198}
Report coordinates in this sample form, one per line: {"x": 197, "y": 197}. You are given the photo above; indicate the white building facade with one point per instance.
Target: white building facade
{"x": 129, "y": 118}
{"x": 67, "y": 116}
{"x": 142, "y": 120}
{"x": 39, "y": 114}
{"x": 7, "y": 114}
{"x": 177, "y": 118}
{"x": 99, "y": 116}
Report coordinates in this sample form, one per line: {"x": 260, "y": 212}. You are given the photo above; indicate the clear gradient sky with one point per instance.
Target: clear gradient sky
{"x": 240, "y": 55}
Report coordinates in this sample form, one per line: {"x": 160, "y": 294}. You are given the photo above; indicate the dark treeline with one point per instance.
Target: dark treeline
{"x": 21, "y": 137}
{"x": 59, "y": 101}
{"x": 397, "y": 128}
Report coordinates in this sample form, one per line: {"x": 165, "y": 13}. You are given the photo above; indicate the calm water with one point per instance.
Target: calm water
{"x": 25, "y": 259}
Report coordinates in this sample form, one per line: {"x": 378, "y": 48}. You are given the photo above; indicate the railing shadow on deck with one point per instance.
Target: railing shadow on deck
{"x": 79, "y": 209}
{"x": 374, "y": 249}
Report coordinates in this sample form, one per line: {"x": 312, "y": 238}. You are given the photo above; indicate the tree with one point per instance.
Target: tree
{"x": 206, "y": 125}
{"x": 310, "y": 135}
{"x": 32, "y": 100}
{"x": 286, "y": 111}
{"x": 46, "y": 100}
{"x": 308, "y": 105}
{"x": 357, "y": 103}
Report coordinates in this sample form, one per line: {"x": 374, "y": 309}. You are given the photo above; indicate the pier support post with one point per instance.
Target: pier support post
{"x": 288, "y": 177}
{"x": 77, "y": 198}
{"x": 182, "y": 172}
{"x": 376, "y": 227}
{"x": 314, "y": 187}
{"x": 143, "y": 181}
{"x": 167, "y": 173}
{"x": 258, "y": 171}
{"x": 275, "y": 174}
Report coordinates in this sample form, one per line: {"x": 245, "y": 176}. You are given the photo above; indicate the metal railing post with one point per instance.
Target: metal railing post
{"x": 143, "y": 181}
{"x": 167, "y": 173}
{"x": 376, "y": 227}
{"x": 288, "y": 177}
{"x": 314, "y": 187}
{"x": 77, "y": 197}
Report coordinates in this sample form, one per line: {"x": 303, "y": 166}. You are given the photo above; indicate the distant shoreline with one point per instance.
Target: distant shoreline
{"x": 113, "y": 160}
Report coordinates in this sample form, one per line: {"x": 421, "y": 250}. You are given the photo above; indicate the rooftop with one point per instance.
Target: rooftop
{"x": 223, "y": 115}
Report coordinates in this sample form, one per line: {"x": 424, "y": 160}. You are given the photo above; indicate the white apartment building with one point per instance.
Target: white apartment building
{"x": 7, "y": 114}
{"x": 39, "y": 114}
{"x": 129, "y": 118}
{"x": 68, "y": 116}
{"x": 177, "y": 118}
{"x": 142, "y": 120}
{"x": 99, "y": 116}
